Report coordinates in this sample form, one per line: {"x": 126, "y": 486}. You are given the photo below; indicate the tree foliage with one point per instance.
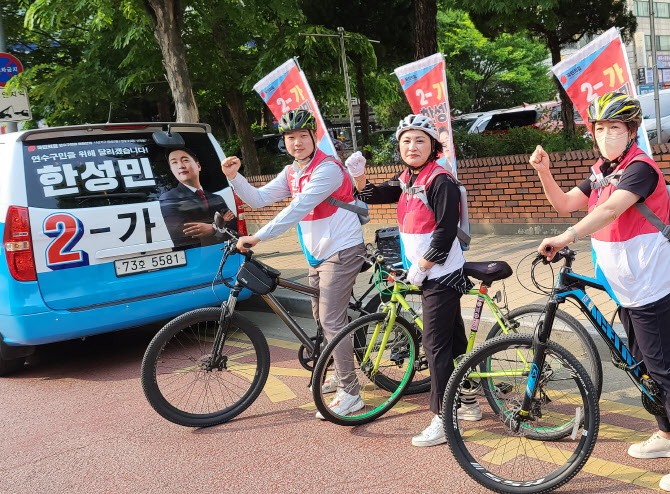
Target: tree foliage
{"x": 486, "y": 74}
{"x": 555, "y": 22}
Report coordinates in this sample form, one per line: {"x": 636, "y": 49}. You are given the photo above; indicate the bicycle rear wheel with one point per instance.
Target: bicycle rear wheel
{"x": 175, "y": 375}
{"x": 566, "y": 331}
{"x": 421, "y": 380}
{"x": 491, "y": 451}
{"x": 379, "y": 390}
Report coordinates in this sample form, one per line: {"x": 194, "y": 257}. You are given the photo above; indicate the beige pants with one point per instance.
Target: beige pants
{"x": 335, "y": 277}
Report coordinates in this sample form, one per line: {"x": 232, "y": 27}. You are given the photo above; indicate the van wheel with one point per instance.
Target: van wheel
{"x": 11, "y": 365}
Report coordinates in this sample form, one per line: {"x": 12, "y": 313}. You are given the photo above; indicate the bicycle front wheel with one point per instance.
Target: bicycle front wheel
{"x": 421, "y": 380}
{"x": 179, "y": 381}
{"x": 566, "y": 331}
{"x": 371, "y": 360}
{"x": 496, "y": 453}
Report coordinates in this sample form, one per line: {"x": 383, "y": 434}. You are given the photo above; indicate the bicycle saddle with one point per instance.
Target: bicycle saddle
{"x": 488, "y": 272}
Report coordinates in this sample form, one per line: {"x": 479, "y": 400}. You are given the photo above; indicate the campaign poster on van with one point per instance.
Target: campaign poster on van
{"x": 598, "y": 68}
{"x": 285, "y": 89}
{"x": 425, "y": 85}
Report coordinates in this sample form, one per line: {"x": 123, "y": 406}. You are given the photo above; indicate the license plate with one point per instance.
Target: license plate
{"x": 156, "y": 262}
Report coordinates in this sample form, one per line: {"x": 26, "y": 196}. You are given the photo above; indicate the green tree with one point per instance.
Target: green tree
{"x": 488, "y": 74}
{"x": 556, "y": 23}
{"x": 79, "y": 70}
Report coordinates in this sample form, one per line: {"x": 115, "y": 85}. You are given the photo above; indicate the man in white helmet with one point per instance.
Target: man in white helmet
{"x": 428, "y": 198}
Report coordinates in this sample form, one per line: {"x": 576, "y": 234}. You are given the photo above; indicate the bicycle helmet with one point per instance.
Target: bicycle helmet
{"x": 417, "y": 122}
{"x": 615, "y": 106}
{"x": 296, "y": 120}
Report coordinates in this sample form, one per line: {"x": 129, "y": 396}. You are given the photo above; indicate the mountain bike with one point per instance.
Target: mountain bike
{"x": 387, "y": 354}
{"x": 540, "y": 413}
{"x": 208, "y": 365}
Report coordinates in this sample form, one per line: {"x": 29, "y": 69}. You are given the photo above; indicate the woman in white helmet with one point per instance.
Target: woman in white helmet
{"x": 428, "y": 198}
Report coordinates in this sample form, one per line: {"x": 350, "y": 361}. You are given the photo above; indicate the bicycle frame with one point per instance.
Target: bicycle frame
{"x": 397, "y": 298}
{"x": 573, "y": 286}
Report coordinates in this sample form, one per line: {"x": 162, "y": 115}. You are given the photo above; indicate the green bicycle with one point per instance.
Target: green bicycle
{"x": 387, "y": 346}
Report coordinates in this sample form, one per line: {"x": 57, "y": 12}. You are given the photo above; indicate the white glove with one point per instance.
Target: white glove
{"x": 416, "y": 277}
{"x": 356, "y": 164}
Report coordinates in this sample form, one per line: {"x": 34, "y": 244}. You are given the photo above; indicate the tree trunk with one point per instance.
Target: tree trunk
{"x": 167, "y": 25}
{"x": 567, "y": 110}
{"x": 267, "y": 119}
{"x": 238, "y": 111}
{"x": 425, "y": 28}
{"x": 363, "y": 108}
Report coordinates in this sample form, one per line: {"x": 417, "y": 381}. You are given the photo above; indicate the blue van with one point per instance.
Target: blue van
{"x": 91, "y": 219}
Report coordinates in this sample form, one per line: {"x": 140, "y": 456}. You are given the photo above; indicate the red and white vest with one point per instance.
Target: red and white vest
{"x": 327, "y": 229}
{"x": 417, "y": 222}
{"x": 631, "y": 254}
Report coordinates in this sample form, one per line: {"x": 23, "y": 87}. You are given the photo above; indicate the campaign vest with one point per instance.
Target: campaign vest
{"x": 630, "y": 254}
{"x": 417, "y": 222}
{"x": 327, "y": 229}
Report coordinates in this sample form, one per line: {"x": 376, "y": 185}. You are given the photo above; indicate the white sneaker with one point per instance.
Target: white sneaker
{"x": 330, "y": 384}
{"x": 665, "y": 483}
{"x": 470, "y": 412}
{"x": 431, "y": 435}
{"x": 343, "y": 404}
{"x": 654, "y": 447}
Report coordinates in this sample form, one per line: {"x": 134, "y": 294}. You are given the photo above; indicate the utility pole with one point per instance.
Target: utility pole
{"x": 654, "y": 68}
{"x": 340, "y": 34}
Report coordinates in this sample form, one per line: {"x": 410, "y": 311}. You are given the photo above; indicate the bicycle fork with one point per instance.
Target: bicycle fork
{"x": 540, "y": 338}
{"x": 217, "y": 360}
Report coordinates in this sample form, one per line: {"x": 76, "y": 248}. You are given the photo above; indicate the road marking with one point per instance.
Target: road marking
{"x": 289, "y": 345}
{"x": 508, "y": 448}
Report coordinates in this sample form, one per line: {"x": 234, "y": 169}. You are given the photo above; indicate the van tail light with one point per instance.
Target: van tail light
{"x": 18, "y": 245}
{"x": 241, "y": 222}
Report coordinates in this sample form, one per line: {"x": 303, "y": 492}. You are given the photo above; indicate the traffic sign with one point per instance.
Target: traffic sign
{"x": 14, "y": 106}
{"x": 9, "y": 67}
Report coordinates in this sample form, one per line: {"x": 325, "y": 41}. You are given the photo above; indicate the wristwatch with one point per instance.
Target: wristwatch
{"x": 421, "y": 268}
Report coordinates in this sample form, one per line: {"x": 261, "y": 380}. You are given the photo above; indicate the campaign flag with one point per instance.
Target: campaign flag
{"x": 425, "y": 86}
{"x": 286, "y": 88}
{"x": 598, "y": 68}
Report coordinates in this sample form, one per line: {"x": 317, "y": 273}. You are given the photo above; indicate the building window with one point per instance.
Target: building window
{"x": 661, "y": 9}
{"x": 641, "y": 9}
{"x": 662, "y": 43}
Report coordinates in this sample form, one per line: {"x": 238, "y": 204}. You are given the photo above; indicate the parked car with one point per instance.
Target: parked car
{"x": 473, "y": 122}
{"x": 87, "y": 247}
{"x": 648, "y": 104}
{"x": 544, "y": 116}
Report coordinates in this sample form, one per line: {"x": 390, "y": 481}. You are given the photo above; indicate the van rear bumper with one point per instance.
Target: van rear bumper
{"x": 58, "y": 325}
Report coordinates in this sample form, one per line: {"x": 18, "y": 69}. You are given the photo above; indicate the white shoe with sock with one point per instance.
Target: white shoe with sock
{"x": 431, "y": 435}
{"x": 470, "y": 412}
{"x": 343, "y": 404}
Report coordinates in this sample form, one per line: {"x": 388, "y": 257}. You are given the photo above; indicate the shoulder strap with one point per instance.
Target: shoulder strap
{"x": 345, "y": 205}
{"x": 644, "y": 210}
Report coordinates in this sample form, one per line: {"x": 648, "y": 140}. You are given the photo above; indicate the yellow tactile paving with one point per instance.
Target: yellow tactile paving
{"x": 508, "y": 448}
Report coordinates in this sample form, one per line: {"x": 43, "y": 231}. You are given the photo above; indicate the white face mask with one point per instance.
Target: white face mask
{"x": 611, "y": 146}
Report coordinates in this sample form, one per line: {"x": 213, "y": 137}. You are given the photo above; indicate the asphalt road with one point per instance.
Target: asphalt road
{"x": 77, "y": 421}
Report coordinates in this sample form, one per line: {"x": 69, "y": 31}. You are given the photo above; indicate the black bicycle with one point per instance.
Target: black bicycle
{"x": 540, "y": 409}
{"x": 207, "y": 366}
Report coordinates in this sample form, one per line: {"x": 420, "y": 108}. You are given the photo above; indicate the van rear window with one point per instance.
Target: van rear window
{"x": 93, "y": 171}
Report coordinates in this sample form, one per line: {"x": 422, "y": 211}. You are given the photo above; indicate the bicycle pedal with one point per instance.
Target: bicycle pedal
{"x": 503, "y": 388}
{"x": 399, "y": 355}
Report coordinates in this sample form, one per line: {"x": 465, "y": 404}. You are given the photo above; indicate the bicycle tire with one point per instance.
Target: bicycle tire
{"x": 181, "y": 390}
{"x": 567, "y": 332}
{"x": 377, "y": 398}
{"x": 421, "y": 380}
{"x": 504, "y": 460}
